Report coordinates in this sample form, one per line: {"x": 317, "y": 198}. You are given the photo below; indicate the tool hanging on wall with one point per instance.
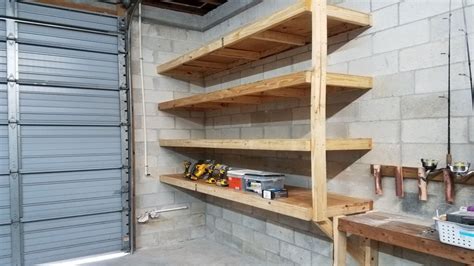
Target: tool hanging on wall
{"x": 399, "y": 191}
{"x": 377, "y": 173}
{"x": 428, "y": 166}
{"x": 466, "y": 36}
{"x": 448, "y": 185}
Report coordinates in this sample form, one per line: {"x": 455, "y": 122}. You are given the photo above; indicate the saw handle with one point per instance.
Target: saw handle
{"x": 448, "y": 186}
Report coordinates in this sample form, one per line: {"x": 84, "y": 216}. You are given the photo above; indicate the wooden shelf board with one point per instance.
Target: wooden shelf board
{"x": 297, "y": 205}
{"x": 295, "y": 85}
{"x": 283, "y": 30}
{"x": 268, "y": 144}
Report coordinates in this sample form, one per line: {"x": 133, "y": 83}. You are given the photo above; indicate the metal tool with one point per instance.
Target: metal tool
{"x": 428, "y": 165}
{"x": 466, "y": 36}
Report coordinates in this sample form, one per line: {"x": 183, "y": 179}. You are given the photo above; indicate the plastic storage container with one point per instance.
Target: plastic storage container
{"x": 460, "y": 235}
{"x": 259, "y": 181}
{"x": 235, "y": 178}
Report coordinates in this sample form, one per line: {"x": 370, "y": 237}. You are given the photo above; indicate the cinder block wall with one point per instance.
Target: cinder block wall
{"x": 403, "y": 113}
{"x": 162, "y": 43}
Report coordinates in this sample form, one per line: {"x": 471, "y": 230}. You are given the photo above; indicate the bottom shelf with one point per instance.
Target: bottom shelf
{"x": 298, "y": 204}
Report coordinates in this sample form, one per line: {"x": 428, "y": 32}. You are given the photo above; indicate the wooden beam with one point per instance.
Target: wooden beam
{"x": 348, "y": 16}
{"x": 267, "y": 144}
{"x": 289, "y": 80}
{"x": 326, "y": 227}
{"x": 340, "y": 244}
{"x": 111, "y": 9}
{"x": 206, "y": 64}
{"x": 280, "y": 37}
{"x": 371, "y": 252}
{"x": 242, "y": 100}
{"x": 288, "y": 93}
{"x": 236, "y": 53}
{"x": 318, "y": 109}
{"x": 265, "y": 24}
{"x": 192, "y": 55}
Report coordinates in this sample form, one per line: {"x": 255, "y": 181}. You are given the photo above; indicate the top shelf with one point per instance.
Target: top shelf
{"x": 284, "y": 30}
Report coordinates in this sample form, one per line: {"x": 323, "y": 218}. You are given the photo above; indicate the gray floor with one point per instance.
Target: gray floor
{"x": 196, "y": 252}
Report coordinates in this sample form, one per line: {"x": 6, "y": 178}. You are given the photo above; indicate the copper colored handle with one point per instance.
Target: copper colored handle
{"x": 448, "y": 186}
{"x": 399, "y": 182}
{"x": 422, "y": 184}
{"x": 377, "y": 173}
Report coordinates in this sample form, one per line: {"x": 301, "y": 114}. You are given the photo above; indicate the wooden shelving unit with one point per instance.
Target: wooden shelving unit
{"x": 298, "y": 205}
{"x": 284, "y": 30}
{"x": 306, "y": 22}
{"x": 268, "y": 144}
{"x": 295, "y": 85}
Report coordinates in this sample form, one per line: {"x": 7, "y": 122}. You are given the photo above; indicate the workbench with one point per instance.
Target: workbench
{"x": 395, "y": 230}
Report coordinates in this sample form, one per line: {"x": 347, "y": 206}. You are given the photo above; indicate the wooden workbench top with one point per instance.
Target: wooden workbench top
{"x": 403, "y": 232}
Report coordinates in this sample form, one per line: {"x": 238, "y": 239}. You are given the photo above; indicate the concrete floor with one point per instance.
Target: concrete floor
{"x": 196, "y": 252}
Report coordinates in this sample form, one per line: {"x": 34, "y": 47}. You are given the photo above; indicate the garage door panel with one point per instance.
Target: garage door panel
{"x": 53, "y": 105}
{"x": 63, "y": 67}
{"x": 51, "y": 195}
{"x": 4, "y": 199}
{"x": 71, "y": 237}
{"x": 3, "y": 61}
{"x": 3, "y": 104}
{"x": 51, "y": 148}
{"x": 67, "y": 17}
{"x": 4, "y": 162}
{"x": 65, "y": 38}
{"x": 5, "y": 245}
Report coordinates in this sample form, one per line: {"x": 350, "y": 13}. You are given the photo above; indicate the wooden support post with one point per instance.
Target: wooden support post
{"x": 371, "y": 253}
{"x": 340, "y": 244}
{"x": 318, "y": 109}
{"x": 327, "y": 226}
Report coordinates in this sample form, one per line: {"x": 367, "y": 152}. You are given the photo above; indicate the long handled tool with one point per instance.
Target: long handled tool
{"x": 449, "y": 158}
{"x": 468, "y": 52}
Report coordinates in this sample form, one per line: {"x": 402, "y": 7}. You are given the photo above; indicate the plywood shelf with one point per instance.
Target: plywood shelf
{"x": 284, "y": 30}
{"x": 298, "y": 204}
{"x": 295, "y": 85}
{"x": 268, "y": 144}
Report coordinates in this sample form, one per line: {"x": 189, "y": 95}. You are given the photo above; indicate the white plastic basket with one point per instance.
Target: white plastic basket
{"x": 456, "y": 234}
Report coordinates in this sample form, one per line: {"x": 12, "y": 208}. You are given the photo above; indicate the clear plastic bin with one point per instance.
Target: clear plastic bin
{"x": 263, "y": 181}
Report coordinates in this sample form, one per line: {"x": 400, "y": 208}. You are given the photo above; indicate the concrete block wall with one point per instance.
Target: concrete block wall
{"x": 403, "y": 54}
{"x": 162, "y": 43}
{"x": 404, "y": 113}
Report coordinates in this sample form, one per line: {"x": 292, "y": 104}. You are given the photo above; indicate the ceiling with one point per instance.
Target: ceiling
{"x": 195, "y": 7}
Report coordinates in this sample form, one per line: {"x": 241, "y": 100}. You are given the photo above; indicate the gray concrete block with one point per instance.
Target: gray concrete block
{"x": 357, "y": 48}
{"x": 189, "y": 123}
{"x": 380, "y": 109}
{"x": 277, "y": 132}
{"x": 230, "y": 133}
{"x": 384, "y": 18}
{"x": 174, "y": 134}
{"x": 389, "y": 154}
{"x": 300, "y": 131}
{"x": 280, "y": 231}
{"x": 403, "y": 36}
{"x": 296, "y": 254}
{"x": 160, "y": 122}
{"x": 398, "y": 84}
{"x": 252, "y": 133}
{"x": 214, "y": 210}
{"x": 436, "y": 79}
{"x": 320, "y": 260}
{"x": 253, "y": 223}
{"x": 430, "y": 54}
{"x": 276, "y": 259}
{"x": 381, "y": 64}
{"x": 434, "y": 130}
{"x": 277, "y": 68}
{"x": 380, "y": 131}
{"x": 415, "y": 10}
{"x": 266, "y": 242}
{"x": 232, "y": 216}
{"x": 240, "y": 120}
{"x": 253, "y": 252}
{"x": 471, "y": 129}
{"x": 223, "y": 225}
{"x": 243, "y": 233}
{"x": 310, "y": 242}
